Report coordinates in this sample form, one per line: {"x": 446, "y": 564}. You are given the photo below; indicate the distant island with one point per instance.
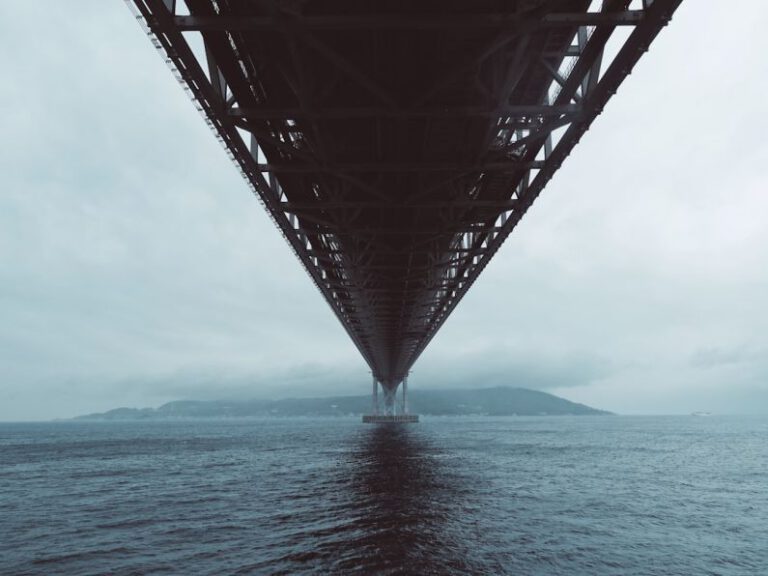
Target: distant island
{"x": 500, "y": 401}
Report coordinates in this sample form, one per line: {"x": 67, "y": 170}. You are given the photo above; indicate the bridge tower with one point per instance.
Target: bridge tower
{"x": 375, "y": 397}
{"x": 393, "y": 411}
{"x": 405, "y": 395}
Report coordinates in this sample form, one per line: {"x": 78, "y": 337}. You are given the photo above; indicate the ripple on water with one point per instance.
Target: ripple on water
{"x": 449, "y": 496}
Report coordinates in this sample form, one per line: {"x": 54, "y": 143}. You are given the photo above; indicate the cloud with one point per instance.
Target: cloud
{"x": 712, "y": 357}
{"x": 501, "y": 366}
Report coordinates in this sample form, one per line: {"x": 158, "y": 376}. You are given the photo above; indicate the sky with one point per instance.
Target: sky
{"x": 137, "y": 268}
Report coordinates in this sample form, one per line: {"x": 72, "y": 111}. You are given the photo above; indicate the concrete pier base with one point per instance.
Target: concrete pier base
{"x": 393, "y": 418}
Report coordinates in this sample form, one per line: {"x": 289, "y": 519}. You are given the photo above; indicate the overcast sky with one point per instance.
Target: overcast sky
{"x": 136, "y": 267}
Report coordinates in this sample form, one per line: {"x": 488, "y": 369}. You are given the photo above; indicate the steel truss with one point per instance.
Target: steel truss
{"x": 397, "y": 150}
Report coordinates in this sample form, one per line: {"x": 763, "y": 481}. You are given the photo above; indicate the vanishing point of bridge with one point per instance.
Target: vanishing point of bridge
{"x": 396, "y": 144}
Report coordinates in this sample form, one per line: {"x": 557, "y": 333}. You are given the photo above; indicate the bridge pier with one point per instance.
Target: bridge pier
{"x": 390, "y": 409}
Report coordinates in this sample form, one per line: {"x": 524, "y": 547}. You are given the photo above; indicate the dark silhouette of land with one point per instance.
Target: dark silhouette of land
{"x": 500, "y": 401}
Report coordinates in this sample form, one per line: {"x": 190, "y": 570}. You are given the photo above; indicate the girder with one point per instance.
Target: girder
{"x": 397, "y": 145}
{"x": 384, "y": 21}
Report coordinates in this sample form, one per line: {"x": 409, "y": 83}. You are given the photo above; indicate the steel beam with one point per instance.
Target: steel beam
{"x": 348, "y": 113}
{"x": 410, "y": 21}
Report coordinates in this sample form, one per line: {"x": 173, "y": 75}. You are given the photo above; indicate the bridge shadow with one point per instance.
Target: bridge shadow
{"x": 410, "y": 501}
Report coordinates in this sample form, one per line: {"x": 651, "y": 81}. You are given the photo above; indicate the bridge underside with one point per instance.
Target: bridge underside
{"x": 397, "y": 144}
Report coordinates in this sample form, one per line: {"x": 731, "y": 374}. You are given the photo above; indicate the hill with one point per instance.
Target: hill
{"x": 500, "y": 401}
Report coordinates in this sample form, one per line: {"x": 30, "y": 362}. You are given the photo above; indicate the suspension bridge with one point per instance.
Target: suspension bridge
{"x": 397, "y": 144}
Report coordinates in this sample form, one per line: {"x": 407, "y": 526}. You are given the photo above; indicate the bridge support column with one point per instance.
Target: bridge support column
{"x": 375, "y": 399}
{"x": 404, "y": 408}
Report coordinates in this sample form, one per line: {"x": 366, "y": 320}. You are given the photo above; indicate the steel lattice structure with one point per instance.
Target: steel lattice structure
{"x": 397, "y": 144}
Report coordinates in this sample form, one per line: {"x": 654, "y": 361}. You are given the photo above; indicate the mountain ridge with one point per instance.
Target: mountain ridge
{"x": 495, "y": 401}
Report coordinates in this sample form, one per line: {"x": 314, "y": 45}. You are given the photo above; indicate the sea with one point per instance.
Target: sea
{"x": 588, "y": 495}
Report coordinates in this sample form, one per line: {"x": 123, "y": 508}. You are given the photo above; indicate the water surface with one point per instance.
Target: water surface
{"x": 549, "y": 495}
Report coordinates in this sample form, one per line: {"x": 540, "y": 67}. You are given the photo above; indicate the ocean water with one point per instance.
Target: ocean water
{"x": 549, "y": 495}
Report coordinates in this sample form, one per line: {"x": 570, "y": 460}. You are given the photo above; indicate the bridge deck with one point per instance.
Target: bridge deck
{"x": 397, "y": 144}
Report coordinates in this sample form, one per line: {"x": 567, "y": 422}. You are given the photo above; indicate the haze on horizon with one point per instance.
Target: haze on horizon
{"x": 137, "y": 268}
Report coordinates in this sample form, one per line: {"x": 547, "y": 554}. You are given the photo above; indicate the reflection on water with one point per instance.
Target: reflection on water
{"x": 410, "y": 498}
